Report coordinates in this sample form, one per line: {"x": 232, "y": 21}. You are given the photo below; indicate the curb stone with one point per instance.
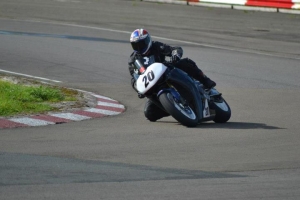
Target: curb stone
{"x": 103, "y": 107}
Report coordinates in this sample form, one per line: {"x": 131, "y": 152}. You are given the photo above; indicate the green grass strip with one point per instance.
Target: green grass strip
{"x": 21, "y": 99}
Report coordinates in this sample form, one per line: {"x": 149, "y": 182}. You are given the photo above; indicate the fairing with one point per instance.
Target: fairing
{"x": 181, "y": 78}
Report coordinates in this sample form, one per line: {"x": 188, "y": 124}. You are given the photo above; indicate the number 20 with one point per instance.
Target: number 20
{"x": 148, "y": 78}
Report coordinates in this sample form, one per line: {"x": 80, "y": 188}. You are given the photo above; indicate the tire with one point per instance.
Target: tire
{"x": 223, "y": 111}
{"x": 183, "y": 114}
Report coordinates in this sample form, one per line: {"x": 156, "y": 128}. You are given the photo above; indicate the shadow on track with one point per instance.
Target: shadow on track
{"x": 238, "y": 125}
{"x": 231, "y": 125}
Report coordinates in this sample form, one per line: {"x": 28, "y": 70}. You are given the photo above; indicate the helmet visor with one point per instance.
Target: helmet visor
{"x": 142, "y": 45}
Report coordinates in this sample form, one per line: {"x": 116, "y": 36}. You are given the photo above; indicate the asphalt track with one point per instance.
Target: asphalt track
{"x": 253, "y": 56}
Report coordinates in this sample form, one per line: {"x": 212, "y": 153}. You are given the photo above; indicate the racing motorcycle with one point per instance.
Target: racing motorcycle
{"x": 175, "y": 92}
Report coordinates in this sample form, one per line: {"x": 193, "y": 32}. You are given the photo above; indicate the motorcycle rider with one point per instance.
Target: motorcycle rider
{"x": 143, "y": 45}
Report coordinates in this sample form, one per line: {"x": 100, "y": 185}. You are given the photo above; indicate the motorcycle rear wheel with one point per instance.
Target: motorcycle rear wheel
{"x": 223, "y": 112}
{"x": 182, "y": 113}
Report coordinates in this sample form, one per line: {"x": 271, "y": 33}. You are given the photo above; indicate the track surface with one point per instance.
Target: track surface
{"x": 254, "y": 57}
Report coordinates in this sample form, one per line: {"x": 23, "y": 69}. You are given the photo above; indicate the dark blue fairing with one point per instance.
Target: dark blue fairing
{"x": 170, "y": 90}
{"x": 179, "y": 77}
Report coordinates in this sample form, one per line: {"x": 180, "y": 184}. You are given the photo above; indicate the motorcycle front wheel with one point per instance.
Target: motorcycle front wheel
{"x": 182, "y": 113}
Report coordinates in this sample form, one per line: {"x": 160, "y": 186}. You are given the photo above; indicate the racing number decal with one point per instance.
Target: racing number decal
{"x": 146, "y": 60}
{"x": 148, "y": 78}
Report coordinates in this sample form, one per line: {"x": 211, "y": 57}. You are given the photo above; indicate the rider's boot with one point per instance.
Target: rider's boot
{"x": 194, "y": 71}
{"x": 207, "y": 82}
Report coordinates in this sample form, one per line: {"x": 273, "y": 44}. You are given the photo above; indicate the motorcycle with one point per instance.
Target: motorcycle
{"x": 175, "y": 92}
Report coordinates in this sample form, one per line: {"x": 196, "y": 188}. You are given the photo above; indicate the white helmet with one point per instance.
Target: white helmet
{"x": 140, "y": 41}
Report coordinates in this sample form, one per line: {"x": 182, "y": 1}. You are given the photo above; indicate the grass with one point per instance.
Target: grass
{"x": 18, "y": 99}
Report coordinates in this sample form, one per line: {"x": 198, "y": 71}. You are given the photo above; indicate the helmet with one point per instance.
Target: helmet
{"x": 140, "y": 41}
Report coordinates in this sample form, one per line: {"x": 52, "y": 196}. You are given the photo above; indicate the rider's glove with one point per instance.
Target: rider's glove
{"x": 175, "y": 58}
{"x": 141, "y": 96}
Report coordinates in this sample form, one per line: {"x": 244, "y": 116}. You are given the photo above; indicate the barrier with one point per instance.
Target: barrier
{"x": 271, "y": 3}
{"x": 296, "y": 4}
{"x": 265, "y": 5}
